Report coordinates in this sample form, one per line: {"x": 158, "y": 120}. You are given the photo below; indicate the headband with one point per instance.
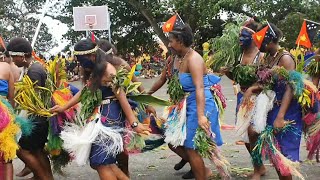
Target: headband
{"x": 86, "y": 52}
{"x": 249, "y": 29}
{"x": 109, "y": 51}
{"x": 12, "y": 53}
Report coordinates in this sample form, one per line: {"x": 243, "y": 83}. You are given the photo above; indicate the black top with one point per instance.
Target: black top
{"x": 36, "y": 72}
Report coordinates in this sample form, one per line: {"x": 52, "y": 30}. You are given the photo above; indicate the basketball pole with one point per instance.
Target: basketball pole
{"x": 109, "y": 29}
{"x": 45, "y": 8}
{"x": 87, "y": 33}
{"x": 109, "y": 34}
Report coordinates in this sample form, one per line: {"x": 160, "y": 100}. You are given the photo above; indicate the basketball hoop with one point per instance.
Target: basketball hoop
{"x": 91, "y": 18}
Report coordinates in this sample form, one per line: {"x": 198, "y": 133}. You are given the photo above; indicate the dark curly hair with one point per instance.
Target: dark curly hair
{"x": 20, "y": 45}
{"x": 101, "y": 56}
{"x": 2, "y": 49}
{"x": 99, "y": 71}
{"x": 253, "y": 24}
{"x": 184, "y": 35}
{"x": 106, "y": 45}
{"x": 276, "y": 30}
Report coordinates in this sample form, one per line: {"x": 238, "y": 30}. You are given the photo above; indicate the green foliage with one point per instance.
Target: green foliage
{"x": 227, "y": 48}
{"x": 130, "y": 29}
{"x": 135, "y": 23}
{"x": 245, "y": 75}
{"x": 60, "y": 161}
{"x": 89, "y": 101}
{"x": 203, "y": 143}
{"x": 131, "y": 90}
{"x": 313, "y": 69}
{"x": 118, "y": 80}
{"x": 175, "y": 90}
{"x": 17, "y": 19}
{"x": 149, "y": 100}
{"x": 290, "y": 32}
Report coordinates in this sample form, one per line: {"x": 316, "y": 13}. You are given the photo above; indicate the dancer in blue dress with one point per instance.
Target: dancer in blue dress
{"x": 114, "y": 109}
{"x": 210, "y": 111}
{"x": 285, "y": 107}
{"x": 201, "y": 110}
{"x": 289, "y": 141}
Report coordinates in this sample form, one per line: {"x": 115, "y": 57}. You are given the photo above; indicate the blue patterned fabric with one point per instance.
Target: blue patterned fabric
{"x": 112, "y": 116}
{"x": 211, "y": 109}
{"x": 289, "y": 141}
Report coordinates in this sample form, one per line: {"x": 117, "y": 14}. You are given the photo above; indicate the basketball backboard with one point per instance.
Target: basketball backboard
{"x": 91, "y": 18}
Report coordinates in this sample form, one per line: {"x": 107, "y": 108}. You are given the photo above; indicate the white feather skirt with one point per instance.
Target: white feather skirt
{"x": 175, "y": 133}
{"x": 78, "y": 140}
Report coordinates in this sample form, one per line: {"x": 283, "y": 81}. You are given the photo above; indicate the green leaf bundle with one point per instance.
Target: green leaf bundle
{"x": 226, "y": 48}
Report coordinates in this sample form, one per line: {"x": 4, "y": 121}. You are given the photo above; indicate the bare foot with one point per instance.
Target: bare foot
{"x": 240, "y": 142}
{"x": 261, "y": 171}
{"x": 25, "y": 171}
{"x": 208, "y": 172}
{"x": 255, "y": 176}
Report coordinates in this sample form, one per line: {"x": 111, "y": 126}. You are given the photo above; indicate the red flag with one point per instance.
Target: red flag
{"x": 93, "y": 38}
{"x": 174, "y": 23}
{"x": 37, "y": 58}
{"x": 258, "y": 37}
{"x": 307, "y": 33}
{"x": 2, "y": 43}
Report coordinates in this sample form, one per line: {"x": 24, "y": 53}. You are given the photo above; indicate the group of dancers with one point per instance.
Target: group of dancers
{"x": 266, "y": 75}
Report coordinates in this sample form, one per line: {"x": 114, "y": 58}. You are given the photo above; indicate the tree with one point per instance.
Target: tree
{"x": 19, "y": 19}
{"x": 135, "y": 23}
{"x": 130, "y": 31}
{"x": 287, "y": 15}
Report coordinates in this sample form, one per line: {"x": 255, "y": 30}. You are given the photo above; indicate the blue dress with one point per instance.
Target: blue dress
{"x": 112, "y": 116}
{"x": 289, "y": 141}
{"x": 211, "y": 109}
{"x": 4, "y": 87}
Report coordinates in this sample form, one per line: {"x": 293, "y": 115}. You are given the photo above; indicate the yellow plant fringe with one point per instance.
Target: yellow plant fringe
{"x": 28, "y": 99}
{"x": 8, "y": 144}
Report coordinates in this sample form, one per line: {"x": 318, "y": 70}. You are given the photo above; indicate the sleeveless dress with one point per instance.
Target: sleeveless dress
{"x": 211, "y": 110}
{"x": 112, "y": 116}
{"x": 289, "y": 142}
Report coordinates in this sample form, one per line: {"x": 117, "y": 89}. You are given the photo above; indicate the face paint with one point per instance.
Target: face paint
{"x": 245, "y": 39}
{"x": 85, "y": 62}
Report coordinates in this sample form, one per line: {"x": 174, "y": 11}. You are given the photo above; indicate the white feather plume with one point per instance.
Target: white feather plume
{"x": 176, "y": 126}
{"x": 244, "y": 117}
{"x": 78, "y": 140}
{"x": 264, "y": 103}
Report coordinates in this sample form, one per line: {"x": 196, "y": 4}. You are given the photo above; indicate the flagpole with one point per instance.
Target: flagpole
{"x": 40, "y": 23}
{"x": 312, "y": 21}
{"x": 271, "y": 29}
{"x": 180, "y": 17}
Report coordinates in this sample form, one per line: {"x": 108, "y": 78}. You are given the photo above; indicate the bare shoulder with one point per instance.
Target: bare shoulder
{"x": 5, "y": 71}
{"x": 195, "y": 58}
{"x": 287, "y": 62}
{"x": 4, "y": 66}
